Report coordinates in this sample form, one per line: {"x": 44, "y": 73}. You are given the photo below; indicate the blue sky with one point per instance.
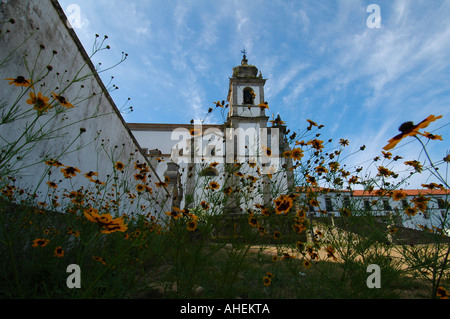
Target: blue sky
{"x": 321, "y": 59}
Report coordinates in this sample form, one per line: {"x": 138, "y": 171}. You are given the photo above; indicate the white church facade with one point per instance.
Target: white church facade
{"x": 244, "y": 154}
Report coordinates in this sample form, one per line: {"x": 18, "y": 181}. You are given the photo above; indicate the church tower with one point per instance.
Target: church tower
{"x": 246, "y": 96}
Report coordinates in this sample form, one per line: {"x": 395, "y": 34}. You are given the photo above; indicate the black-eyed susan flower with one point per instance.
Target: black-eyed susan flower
{"x": 411, "y": 211}
{"x": 52, "y": 184}
{"x": 398, "y": 195}
{"x": 173, "y": 214}
{"x": 99, "y": 259}
{"x": 306, "y": 263}
{"x": 62, "y": 100}
{"x": 267, "y": 281}
{"x": 330, "y": 252}
{"x": 70, "y": 171}
{"x": 415, "y": 164}
{"x": 214, "y": 185}
{"x": 296, "y": 154}
{"x": 39, "y": 101}
{"x": 164, "y": 183}
{"x": 119, "y": 166}
{"x": 59, "y": 252}
{"x": 316, "y": 144}
{"x": 140, "y": 188}
{"x": 213, "y": 164}
{"x": 263, "y": 106}
{"x": 442, "y": 293}
{"x": 19, "y": 81}
{"x": 283, "y": 204}
{"x": 53, "y": 162}
{"x": 90, "y": 175}
{"x": 140, "y": 177}
{"x": 253, "y": 221}
{"x": 409, "y": 129}
{"x": 311, "y": 123}
{"x": 276, "y": 234}
{"x": 228, "y": 190}
{"x": 191, "y": 225}
{"x": 40, "y": 242}
{"x": 204, "y": 205}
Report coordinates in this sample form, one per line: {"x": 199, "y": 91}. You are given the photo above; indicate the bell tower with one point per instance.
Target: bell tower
{"x": 246, "y": 96}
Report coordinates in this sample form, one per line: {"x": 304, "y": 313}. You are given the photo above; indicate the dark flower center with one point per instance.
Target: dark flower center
{"x": 406, "y": 127}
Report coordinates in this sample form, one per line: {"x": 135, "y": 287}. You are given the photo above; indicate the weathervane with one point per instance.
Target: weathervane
{"x": 244, "y": 58}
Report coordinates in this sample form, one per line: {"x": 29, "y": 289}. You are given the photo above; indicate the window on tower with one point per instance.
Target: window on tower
{"x": 249, "y": 95}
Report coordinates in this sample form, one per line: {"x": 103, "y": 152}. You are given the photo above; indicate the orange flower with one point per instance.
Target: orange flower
{"x": 398, "y": 195}
{"x": 191, "y": 225}
{"x": 283, "y": 204}
{"x": 70, "y": 171}
{"x": 52, "y": 184}
{"x": 19, "y": 81}
{"x": 214, "y": 185}
{"x": 296, "y": 154}
{"x": 409, "y": 129}
{"x": 53, "y": 162}
{"x": 267, "y": 281}
{"x": 431, "y": 136}
{"x": 40, "y": 242}
{"x": 40, "y": 102}
{"x": 119, "y": 166}
{"x": 62, "y": 100}
{"x": 59, "y": 252}
{"x": 99, "y": 259}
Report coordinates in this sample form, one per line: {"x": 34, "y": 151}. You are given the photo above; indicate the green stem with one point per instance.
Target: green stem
{"x": 435, "y": 173}
{"x": 12, "y": 257}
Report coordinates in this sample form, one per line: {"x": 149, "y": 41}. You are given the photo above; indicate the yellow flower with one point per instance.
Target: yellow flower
{"x": 306, "y": 263}
{"x": 442, "y": 293}
{"x": 173, "y": 214}
{"x": 191, "y": 225}
{"x": 398, "y": 195}
{"x": 296, "y": 154}
{"x": 263, "y": 106}
{"x": 53, "y": 162}
{"x": 283, "y": 204}
{"x": 62, "y": 100}
{"x": 52, "y": 184}
{"x": 59, "y": 252}
{"x": 214, "y": 185}
{"x": 204, "y": 205}
{"x": 267, "y": 281}
{"x": 253, "y": 221}
{"x": 119, "y": 166}
{"x": 409, "y": 129}
{"x": 40, "y": 102}
{"x": 70, "y": 171}
{"x": 19, "y": 81}
{"x": 411, "y": 211}
{"x": 140, "y": 188}
{"x": 99, "y": 259}
{"x": 40, "y": 242}
{"x": 276, "y": 234}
